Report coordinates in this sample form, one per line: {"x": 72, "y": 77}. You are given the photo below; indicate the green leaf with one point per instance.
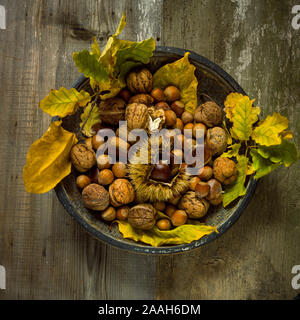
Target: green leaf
{"x": 64, "y": 102}
{"x": 180, "y": 74}
{"x": 233, "y": 151}
{"x": 155, "y": 237}
{"x": 261, "y": 165}
{"x": 268, "y": 131}
{"x": 93, "y": 118}
{"x": 238, "y": 188}
{"x": 244, "y": 116}
{"x": 90, "y": 66}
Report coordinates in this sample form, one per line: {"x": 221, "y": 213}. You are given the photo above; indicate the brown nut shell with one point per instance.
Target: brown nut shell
{"x": 142, "y": 98}
{"x": 112, "y": 110}
{"x": 209, "y": 113}
{"x": 225, "y": 170}
{"x": 216, "y": 139}
{"x": 137, "y": 116}
{"x": 121, "y": 192}
{"x": 95, "y": 197}
{"x": 139, "y": 81}
{"x": 142, "y": 216}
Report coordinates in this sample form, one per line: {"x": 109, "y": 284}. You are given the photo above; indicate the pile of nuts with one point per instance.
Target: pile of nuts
{"x": 106, "y": 187}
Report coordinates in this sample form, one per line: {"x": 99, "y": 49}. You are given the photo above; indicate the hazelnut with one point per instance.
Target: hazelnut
{"x": 193, "y": 182}
{"x": 82, "y": 157}
{"x": 187, "y": 117}
{"x": 171, "y": 93}
{"x": 158, "y": 95}
{"x": 139, "y": 81}
{"x": 104, "y": 161}
{"x": 142, "y": 216}
{"x": 200, "y": 128}
{"x": 162, "y": 105}
{"x": 217, "y": 200}
{"x": 119, "y": 169}
{"x": 95, "y": 197}
{"x": 170, "y": 118}
{"x": 179, "y": 218}
{"x": 202, "y": 189}
{"x": 170, "y": 209}
{"x": 178, "y": 155}
{"x": 99, "y": 138}
{"x": 105, "y": 177}
{"x": 209, "y": 113}
{"x": 205, "y": 173}
{"x": 178, "y": 108}
{"x": 161, "y": 172}
{"x": 125, "y": 94}
{"x": 109, "y": 214}
{"x": 121, "y": 192}
{"x": 225, "y": 170}
{"x": 215, "y": 189}
{"x": 118, "y": 144}
{"x": 137, "y": 116}
{"x": 163, "y": 224}
{"x": 216, "y": 139}
{"x": 188, "y": 130}
{"x": 142, "y": 98}
{"x": 178, "y": 124}
{"x": 82, "y": 181}
{"x": 179, "y": 141}
{"x": 122, "y": 213}
{"x": 159, "y": 205}
{"x": 195, "y": 208}
{"x": 112, "y": 110}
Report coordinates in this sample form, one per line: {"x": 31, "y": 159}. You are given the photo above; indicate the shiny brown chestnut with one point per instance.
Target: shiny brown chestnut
{"x": 161, "y": 172}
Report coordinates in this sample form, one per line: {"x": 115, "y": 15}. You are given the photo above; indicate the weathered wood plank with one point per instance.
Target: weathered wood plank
{"x": 45, "y": 253}
{"x": 255, "y": 43}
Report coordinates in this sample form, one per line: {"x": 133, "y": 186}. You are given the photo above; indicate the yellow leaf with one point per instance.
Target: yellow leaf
{"x": 95, "y": 49}
{"x": 181, "y": 75}
{"x": 93, "y": 118}
{"x": 286, "y": 134}
{"x": 243, "y": 117}
{"x": 268, "y": 131}
{"x": 48, "y": 159}
{"x": 155, "y": 237}
{"x": 231, "y": 101}
{"x": 64, "y": 102}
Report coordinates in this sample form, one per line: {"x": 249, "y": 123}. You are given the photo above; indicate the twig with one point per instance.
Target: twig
{"x": 90, "y": 112}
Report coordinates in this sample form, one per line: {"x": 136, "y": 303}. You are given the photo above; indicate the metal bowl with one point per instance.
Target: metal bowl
{"x": 213, "y": 81}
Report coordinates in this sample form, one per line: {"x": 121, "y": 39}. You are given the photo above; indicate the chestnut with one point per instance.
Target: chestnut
{"x": 161, "y": 172}
{"x": 215, "y": 189}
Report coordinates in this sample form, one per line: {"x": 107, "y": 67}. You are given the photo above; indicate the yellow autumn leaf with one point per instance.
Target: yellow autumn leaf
{"x": 155, "y": 237}
{"x": 181, "y": 75}
{"x": 95, "y": 49}
{"x": 93, "y": 118}
{"x": 268, "y": 131}
{"x": 244, "y": 115}
{"x": 231, "y": 101}
{"x": 64, "y": 102}
{"x": 48, "y": 160}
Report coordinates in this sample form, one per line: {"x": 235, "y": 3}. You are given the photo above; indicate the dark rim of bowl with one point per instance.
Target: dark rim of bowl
{"x": 62, "y": 195}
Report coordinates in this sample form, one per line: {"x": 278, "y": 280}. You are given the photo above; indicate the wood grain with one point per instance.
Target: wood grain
{"x": 255, "y": 43}
{"x": 45, "y": 253}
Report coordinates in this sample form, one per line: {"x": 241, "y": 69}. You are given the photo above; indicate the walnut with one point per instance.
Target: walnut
{"x": 121, "y": 192}
{"x": 225, "y": 170}
{"x": 95, "y": 197}
{"x": 137, "y": 116}
{"x": 209, "y": 113}
{"x": 82, "y": 157}
{"x": 216, "y": 140}
{"x": 142, "y": 216}
{"x": 142, "y": 98}
{"x": 112, "y": 110}
{"x": 139, "y": 81}
{"x": 194, "y": 207}
{"x": 155, "y": 114}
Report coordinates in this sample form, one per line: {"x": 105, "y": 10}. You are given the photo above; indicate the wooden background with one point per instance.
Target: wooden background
{"x": 45, "y": 253}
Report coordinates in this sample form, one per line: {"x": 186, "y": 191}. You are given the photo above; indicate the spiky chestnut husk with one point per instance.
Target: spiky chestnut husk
{"x": 148, "y": 190}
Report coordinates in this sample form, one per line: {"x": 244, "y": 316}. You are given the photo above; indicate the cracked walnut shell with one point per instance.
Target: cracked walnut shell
{"x": 142, "y": 216}
{"x": 121, "y": 192}
{"x": 95, "y": 197}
